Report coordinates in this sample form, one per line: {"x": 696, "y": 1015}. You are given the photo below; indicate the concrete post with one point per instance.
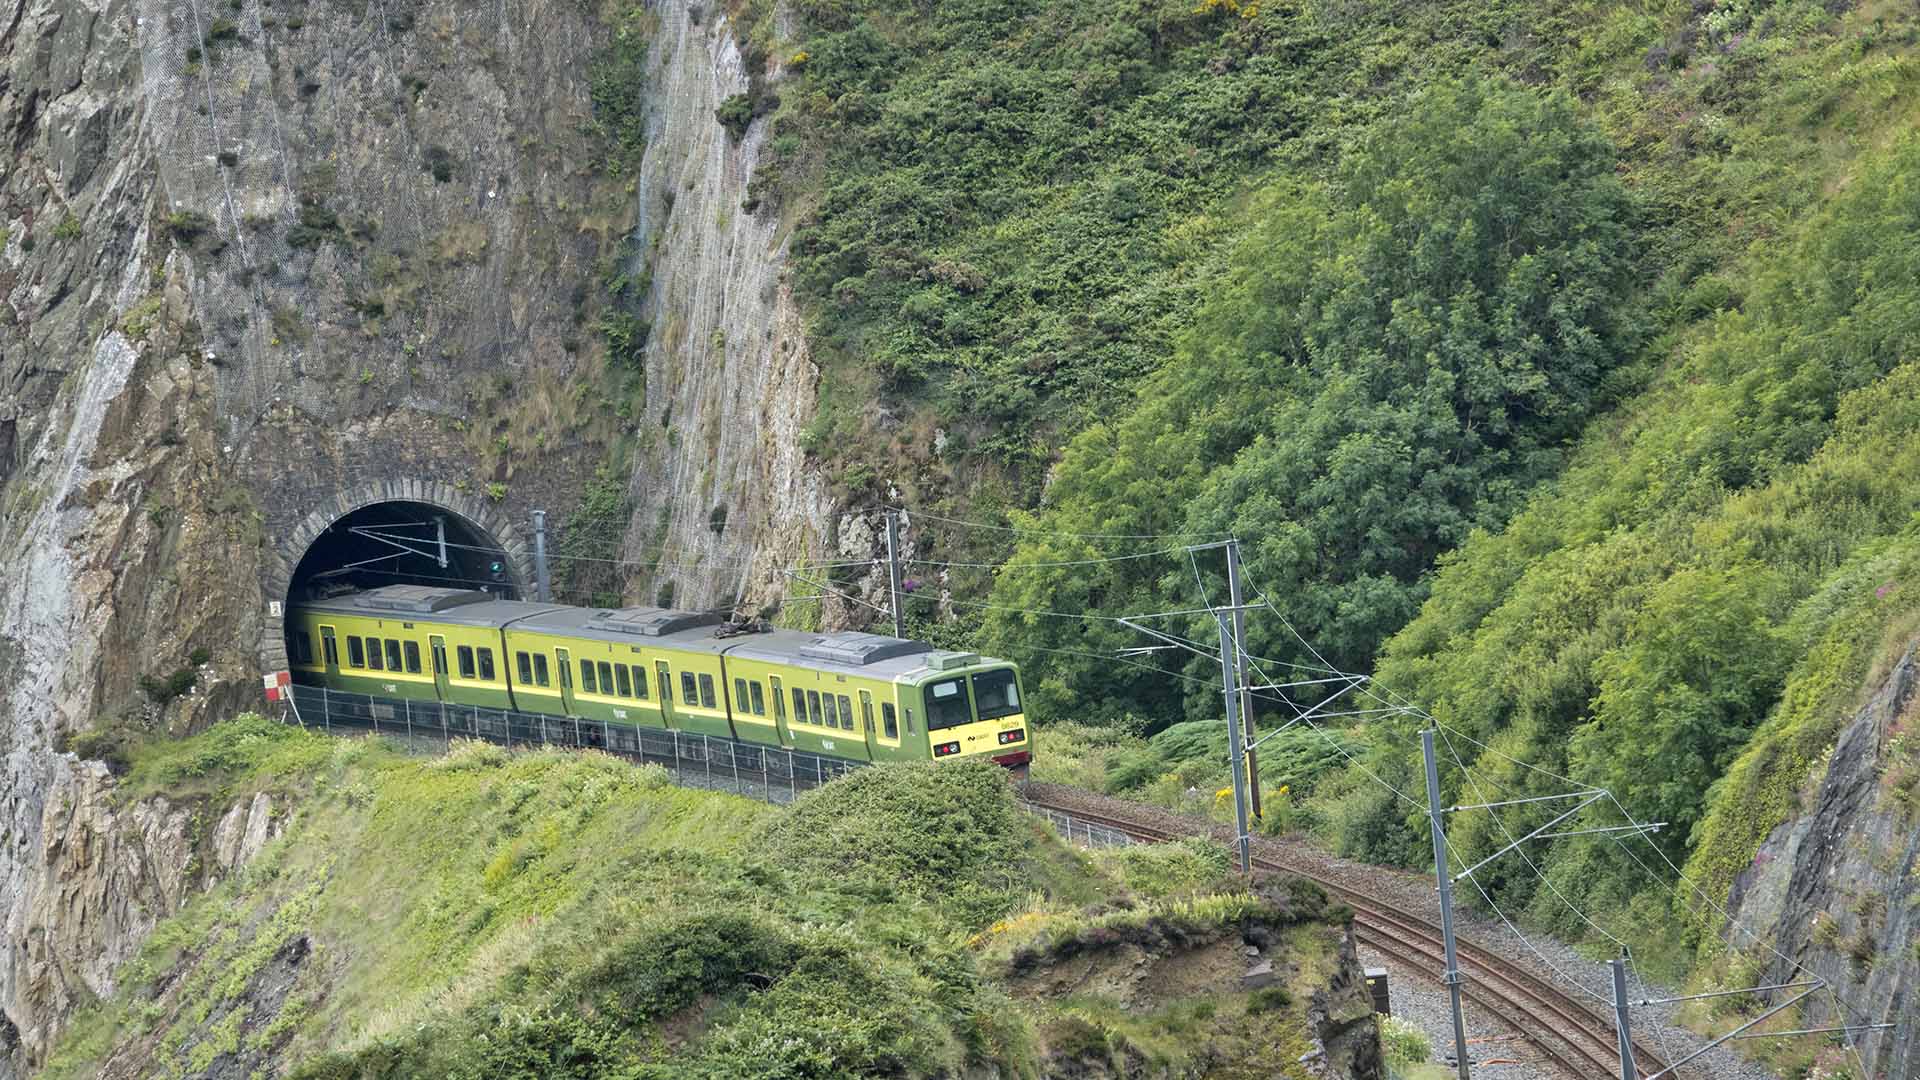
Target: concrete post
{"x": 542, "y": 580}
{"x": 893, "y": 573}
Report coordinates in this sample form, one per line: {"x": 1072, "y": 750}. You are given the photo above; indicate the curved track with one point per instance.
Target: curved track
{"x": 1566, "y": 1031}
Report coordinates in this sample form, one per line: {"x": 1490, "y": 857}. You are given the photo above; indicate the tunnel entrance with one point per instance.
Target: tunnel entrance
{"x": 402, "y": 543}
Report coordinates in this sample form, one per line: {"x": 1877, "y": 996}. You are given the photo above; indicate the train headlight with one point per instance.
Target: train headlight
{"x": 1014, "y": 736}
{"x": 945, "y": 748}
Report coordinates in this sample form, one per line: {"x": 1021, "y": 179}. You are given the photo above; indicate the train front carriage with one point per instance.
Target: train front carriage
{"x": 974, "y": 709}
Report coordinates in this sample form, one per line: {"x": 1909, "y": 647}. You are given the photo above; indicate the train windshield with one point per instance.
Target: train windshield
{"x": 996, "y": 694}
{"x": 947, "y": 704}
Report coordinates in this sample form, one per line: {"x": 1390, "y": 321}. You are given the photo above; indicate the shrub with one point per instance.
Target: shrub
{"x": 666, "y": 968}
{"x": 1403, "y": 1044}
{"x": 945, "y": 833}
{"x": 626, "y": 336}
{"x": 186, "y": 226}
{"x": 438, "y": 161}
{"x": 164, "y": 689}
{"x": 735, "y": 114}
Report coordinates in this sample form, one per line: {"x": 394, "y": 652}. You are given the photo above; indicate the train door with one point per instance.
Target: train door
{"x": 866, "y": 723}
{"x": 329, "y": 650}
{"x": 781, "y": 732}
{"x": 437, "y": 651}
{"x": 665, "y": 687}
{"x": 566, "y": 682}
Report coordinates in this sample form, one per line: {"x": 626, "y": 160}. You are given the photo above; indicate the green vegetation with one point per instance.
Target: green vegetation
{"x": 1390, "y": 361}
{"x": 1703, "y": 594}
{"x": 617, "y": 86}
{"x": 587, "y": 551}
{"x": 584, "y": 918}
{"x": 1552, "y": 366}
{"x": 186, "y": 226}
{"x": 1405, "y": 1048}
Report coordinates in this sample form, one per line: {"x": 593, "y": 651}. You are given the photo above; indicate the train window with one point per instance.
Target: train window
{"x": 332, "y": 650}
{"x": 799, "y": 706}
{"x": 626, "y": 681}
{"x": 889, "y": 720}
{"x": 996, "y": 694}
{"x": 813, "y": 708}
{"x": 740, "y": 696}
{"x": 540, "y": 676}
{"x": 302, "y": 647}
{"x": 486, "y": 664}
{"x": 356, "y": 652}
{"x": 606, "y": 677}
{"x": 706, "y": 692}
{"x": 833, "y": 711}
{"x": 759, "y": 702}
{"x": 688, "y": 695}
{"x": 587, "y": 681}
{"x": 846, "y": 713}
{"x": 413, "y": 656}
{"x": 466, "y": 661}
{"x": 393, "y": 656}
{"x": 373, "y": 655}
{"x": 947, "y": 704}
{"x": 525, "y": 664}
{"x": 640, "y": 682}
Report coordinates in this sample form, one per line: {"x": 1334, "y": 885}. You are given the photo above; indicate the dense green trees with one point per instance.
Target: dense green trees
{"x": 1391, "y": 360}
{"x": 1733, "y": 549}
{"x": 1618, "y": 485}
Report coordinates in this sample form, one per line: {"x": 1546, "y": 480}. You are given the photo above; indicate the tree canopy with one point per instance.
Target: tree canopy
{"x": 1392, "y": 358}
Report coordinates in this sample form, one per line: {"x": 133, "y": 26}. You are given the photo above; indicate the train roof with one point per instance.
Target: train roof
{"x": 663, "y": 627}
{"x": 876, "y": 656}
{"x": 428, "y": 603}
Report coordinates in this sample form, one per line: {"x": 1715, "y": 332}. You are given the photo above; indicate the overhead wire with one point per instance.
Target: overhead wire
{"x": 1679, "y": 875}
{"x": 1020, "y": 530}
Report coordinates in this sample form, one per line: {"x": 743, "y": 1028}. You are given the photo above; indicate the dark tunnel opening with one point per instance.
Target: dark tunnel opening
{"x": 402, "y": 543}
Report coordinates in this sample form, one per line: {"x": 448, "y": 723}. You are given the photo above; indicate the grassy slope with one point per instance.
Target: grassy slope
{"x": 571, "y": 915}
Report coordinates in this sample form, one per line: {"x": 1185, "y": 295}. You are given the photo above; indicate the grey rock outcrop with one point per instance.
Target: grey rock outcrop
{"x": 724, "y": 497}
{"x": 90, "y": 880}
{"x": 255, "y": 253}
{"x": 1346, "y": 1036}
{"x": 1835, "y": 892}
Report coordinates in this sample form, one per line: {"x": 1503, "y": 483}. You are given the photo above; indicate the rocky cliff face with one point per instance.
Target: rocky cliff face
{"x": 723, "y": 494}
{"x": 104, "y": 875}
{"x": 1835, "y": 892}
{"x": 255, "y": 252}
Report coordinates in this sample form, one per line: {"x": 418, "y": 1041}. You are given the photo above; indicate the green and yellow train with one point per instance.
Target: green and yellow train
{"x": 865, "y": 697}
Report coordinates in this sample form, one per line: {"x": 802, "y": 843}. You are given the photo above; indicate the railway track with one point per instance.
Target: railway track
{"x": 1574, "y": 1037}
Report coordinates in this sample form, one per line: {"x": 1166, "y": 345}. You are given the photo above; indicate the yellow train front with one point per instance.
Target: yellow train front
{"x": 865, "y": 697}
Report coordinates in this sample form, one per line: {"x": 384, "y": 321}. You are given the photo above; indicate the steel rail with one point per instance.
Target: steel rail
{"x": 1564, "y": 1029}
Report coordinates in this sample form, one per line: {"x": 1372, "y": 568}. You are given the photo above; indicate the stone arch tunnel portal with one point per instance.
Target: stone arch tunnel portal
{"x": 391, "y": 532}
{"x": 403, "y": 543}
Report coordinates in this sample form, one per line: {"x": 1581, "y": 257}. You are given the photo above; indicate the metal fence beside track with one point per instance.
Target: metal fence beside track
{"x": 770, "y": 773}
{"x": 1076, "y": 831}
